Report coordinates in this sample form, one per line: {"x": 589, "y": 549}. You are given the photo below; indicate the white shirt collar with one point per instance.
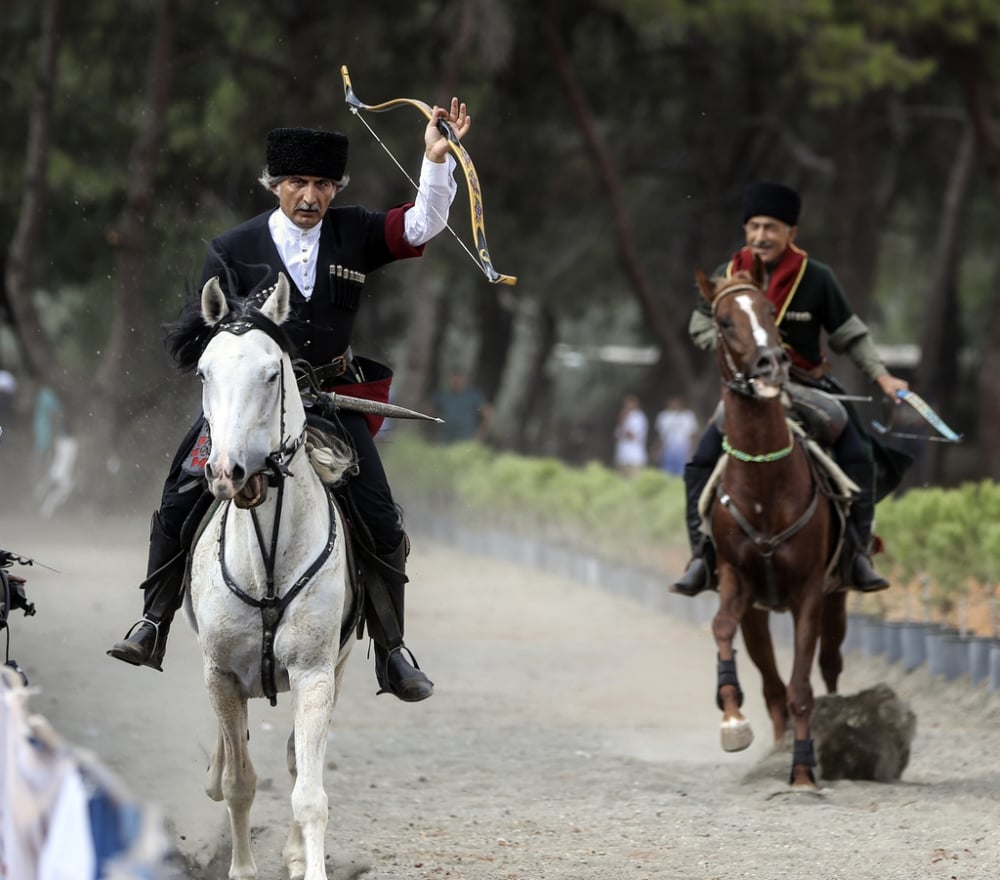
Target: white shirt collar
{"x": 283, "y": 230}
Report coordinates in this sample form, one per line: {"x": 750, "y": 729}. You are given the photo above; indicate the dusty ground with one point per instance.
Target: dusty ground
{"x": 573, "y": 734}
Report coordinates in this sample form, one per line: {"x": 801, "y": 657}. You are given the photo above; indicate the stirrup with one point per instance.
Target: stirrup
{"x": 133, "y": 652}
{"x": 420, "y": 686}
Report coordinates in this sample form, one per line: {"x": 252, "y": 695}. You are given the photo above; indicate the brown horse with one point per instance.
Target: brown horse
{"x": 774, "y": 531}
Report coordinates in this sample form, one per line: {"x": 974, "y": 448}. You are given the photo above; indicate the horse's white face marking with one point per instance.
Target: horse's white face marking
{"x": 241, "y": 391}
{"x": 759, "y": 333}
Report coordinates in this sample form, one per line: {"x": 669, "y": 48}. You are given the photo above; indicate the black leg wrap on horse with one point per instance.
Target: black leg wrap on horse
{"x": 802, "y": 753}
{"x": 727, "y": 676}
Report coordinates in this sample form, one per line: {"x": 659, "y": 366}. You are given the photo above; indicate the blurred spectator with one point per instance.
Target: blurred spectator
{"x": 631, "y": 431}
{"x": 676, "y": 430}
{"x": 55, "y": 452}
{"x": 8, "y": 396}
{"x": 466, "y": 412}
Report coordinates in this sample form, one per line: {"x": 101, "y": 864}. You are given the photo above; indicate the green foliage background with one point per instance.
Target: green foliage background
{"x": 949, "y": 538}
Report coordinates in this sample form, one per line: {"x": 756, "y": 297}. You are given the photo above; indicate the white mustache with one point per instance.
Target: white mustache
{"x": 307, "y": 206}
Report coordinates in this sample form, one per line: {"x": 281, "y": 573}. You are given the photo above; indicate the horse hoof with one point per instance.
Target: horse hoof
{"x": 736, "y": 734}
{"x": 804, "y": 787}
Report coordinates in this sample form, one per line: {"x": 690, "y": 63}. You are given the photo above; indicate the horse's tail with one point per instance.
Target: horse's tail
{"x": 330, "y": 456}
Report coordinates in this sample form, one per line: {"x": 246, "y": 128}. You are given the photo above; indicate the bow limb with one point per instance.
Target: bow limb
{"x": 932, "y": 418}
{"x": 476, "y": 210}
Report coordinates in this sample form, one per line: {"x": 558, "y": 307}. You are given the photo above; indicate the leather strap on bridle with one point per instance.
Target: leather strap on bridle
{"x": 272, "y": 607}
{"x": 767, "y": 546}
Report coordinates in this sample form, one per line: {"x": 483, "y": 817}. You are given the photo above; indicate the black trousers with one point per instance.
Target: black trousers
{"x": 369, "y": 488}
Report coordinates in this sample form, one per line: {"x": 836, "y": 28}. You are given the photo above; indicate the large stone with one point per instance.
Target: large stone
{"x": 866, "y": 735}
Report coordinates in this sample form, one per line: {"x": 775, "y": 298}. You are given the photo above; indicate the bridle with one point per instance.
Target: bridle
{"x": 738, "y": 381}
{"x": 743, "y": 384}
{"x": 271, "y": 606}
{"x": 277, "y": 460}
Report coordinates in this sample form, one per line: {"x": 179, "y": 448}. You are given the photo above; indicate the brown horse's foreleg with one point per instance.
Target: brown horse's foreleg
{"x": 736, "y": 732}
{"x": 757, "y": 638}
{"x": 800, "y": 692}
{"x": 831, "y": 637}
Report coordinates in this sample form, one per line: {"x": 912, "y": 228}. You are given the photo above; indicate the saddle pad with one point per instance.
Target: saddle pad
{"x": 197, "y": 456}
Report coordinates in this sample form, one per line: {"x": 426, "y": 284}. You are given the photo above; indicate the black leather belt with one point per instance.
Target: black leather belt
{"x": 336, "y": 368}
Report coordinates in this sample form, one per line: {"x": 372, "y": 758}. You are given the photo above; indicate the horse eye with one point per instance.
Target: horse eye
{"x": 200, "y": 375}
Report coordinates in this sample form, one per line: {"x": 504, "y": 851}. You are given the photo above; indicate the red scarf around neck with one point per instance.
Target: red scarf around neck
{"x": 781, "y": 286}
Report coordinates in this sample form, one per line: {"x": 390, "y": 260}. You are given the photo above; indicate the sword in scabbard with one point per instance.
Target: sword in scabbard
{"x": 373, "y": 407}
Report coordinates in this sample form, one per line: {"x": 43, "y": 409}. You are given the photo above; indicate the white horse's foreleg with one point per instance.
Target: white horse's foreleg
{"x": 293, "y": 855}
{"x": 213, "y": 786}
{"x": 238, "y": 777}
{"x": 313, "y": 695}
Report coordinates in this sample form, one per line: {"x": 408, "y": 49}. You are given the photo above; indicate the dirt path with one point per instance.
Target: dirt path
{"x": 573, "y": 734}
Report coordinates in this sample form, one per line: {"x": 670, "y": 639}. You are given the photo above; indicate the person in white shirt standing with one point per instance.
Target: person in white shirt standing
{"x": 631, "y": 431}
{"x": 327, "y": 253}
{"x": 676, "y": 428}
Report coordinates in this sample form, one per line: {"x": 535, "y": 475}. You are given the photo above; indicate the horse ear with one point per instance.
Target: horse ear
{"x": 705, "y": 285}
{"x": 276, "y": 306}
{"x": 213, "y": 302}
{"x": 757, "y": 273}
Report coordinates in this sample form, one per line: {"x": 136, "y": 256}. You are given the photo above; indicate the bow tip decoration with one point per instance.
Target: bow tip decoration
{"x": 482, "y": 255}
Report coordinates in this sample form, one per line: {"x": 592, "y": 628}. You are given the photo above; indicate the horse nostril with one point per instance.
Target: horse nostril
{"x": 209, "y": 472}
{"x": 238, "y": 473}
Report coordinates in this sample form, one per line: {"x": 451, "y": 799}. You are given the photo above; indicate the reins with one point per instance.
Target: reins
{"x": 272, "y": 607}
{"x": 742, "y": 384}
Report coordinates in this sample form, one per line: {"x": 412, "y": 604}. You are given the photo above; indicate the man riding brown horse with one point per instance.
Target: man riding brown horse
{"x": 808, "y": 300}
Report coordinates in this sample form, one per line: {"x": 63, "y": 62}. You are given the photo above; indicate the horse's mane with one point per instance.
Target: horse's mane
{"x": 187, "y": 337}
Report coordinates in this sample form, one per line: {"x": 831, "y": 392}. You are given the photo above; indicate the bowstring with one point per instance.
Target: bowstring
{"x": 357, "y": 112}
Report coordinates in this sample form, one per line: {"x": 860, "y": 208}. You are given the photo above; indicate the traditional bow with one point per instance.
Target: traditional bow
{"x": 923, "y": 409}
{"x": 461, "y": 155}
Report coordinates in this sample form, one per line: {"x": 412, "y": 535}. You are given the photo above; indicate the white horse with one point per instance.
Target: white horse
{"x": 276, "y": 534}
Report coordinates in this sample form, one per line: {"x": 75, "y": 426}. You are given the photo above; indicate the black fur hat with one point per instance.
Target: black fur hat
{"x": 771, "y": 200}
{"x": 306, "y": 151}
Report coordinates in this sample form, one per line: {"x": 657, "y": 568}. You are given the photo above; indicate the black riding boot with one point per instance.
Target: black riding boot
{"x": 698, "y": 575}
{"x": 384, "y": 587}
{"x": 860, "y": 575}
{"x": 146, "y": 641}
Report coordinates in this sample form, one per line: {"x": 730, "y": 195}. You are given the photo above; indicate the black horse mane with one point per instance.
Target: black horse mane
{"x": 187, "y": 337}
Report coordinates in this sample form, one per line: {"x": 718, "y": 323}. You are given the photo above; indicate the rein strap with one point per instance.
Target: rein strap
{"x": 272, "y": 607}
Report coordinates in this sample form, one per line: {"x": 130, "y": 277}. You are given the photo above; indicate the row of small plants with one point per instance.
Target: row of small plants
{"x": 944, "y": 549}
{"x": 590, "y": 507}
{"x": 942, "y": 546}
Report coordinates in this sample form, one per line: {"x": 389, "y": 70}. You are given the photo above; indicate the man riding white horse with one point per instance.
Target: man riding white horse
{"x": 327, "y": 252}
